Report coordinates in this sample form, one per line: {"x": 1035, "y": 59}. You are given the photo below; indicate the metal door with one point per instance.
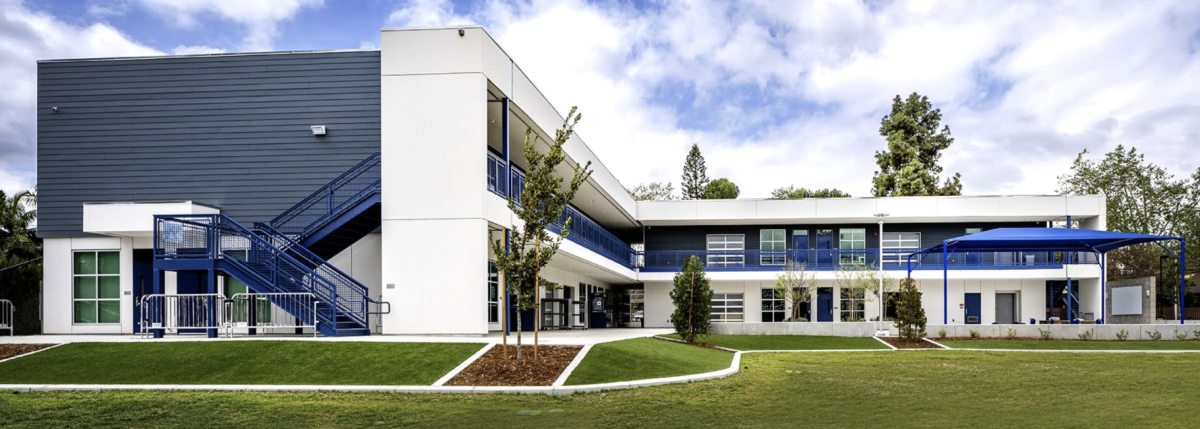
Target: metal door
{"x": 825, "y": 247}
{"x": 800, "y": 246}
{"x": 971, "y": 310}
{"x": 824, "y": 305}
{"x": 1006, "y": 311}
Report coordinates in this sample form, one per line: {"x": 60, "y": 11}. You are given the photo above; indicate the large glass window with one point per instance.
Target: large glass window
{"x": 493, "y": 293}
{"x": 773, "y": 246}
{"x": 896, "y": 246}
{"x": 852, "y": 243}
{"x": 726, "y": 250}
{"x": 853, "y": 312}
{"x": 97, "y": 287}
{"x": 772, "y": 306}
{"x": 728, "y": 307}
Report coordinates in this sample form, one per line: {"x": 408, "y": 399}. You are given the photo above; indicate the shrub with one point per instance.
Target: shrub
{"x": 910, "y": 315}
{"x": 974, "y": 334}
{"x": 1154, "y": 335}
{"x": 1086, "y": 335}
{"x": 693, "y": 301}
{"x": 1181, "y": 336}
{"x": 1046, "y": 333}
{"x": 942, "y": 333}
{"x": 1122, "y": 335}
{"x": 1196, "y": 334}
{"x": 1012, "y": 333}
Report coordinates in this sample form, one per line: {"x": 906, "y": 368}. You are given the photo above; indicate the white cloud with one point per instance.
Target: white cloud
{"x": 26, "y": 37}
{"x": 196, "y": 50}
{"x": 260, "y": 18}
{"x": 1024, "y": 86}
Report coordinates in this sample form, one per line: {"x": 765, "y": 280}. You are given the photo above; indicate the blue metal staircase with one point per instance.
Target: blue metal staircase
{"x": 289, "y": 253}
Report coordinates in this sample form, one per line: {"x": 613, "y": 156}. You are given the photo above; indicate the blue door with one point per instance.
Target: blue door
{"x": 800, "y": 246}
{"x": 824, "y": 305}
{"x": 971, "y": 304}
{"x": 825, "y": 247}
{"x": 143, "y": 283}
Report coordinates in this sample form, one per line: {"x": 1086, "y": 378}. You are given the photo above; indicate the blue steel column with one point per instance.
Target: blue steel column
{"x": 1103, "y": 290}
{"x": 945, "y": 286}
{"x": 1182, "y": 285}
{"x": 504, "y": 148}
{"x": 153, "y": 311}
{"x": 211, "y": 287}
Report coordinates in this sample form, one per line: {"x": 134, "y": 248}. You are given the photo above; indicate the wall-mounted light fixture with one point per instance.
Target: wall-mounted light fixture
{"x": 462, "y": 32}
{"x": 318, "y": 130}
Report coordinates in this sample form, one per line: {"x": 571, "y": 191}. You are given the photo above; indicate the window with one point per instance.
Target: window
{"x": 97, "y": 287}
{"x": 898, "y": 241}
{"x": 727, "y": 307}
{"x": 772, "y": 306}
{"x": 974, "y": 230}
{"x": 852, "y": 243}
{"x": 726, "y": 250}
{"x": 855, "y": 312}
{"x": 493, "y": 291}
{"x": 773, "y": 246}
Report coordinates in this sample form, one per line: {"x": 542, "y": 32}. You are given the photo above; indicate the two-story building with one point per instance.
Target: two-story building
{"x": 375, "y": 181}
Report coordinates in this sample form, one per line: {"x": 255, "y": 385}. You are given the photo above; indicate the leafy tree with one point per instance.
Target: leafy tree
{"x": 20, "y": 258}
{"x": 910, "y": 315}
{"x": 693, "y": 301}
{"x": 1141, "y": 198}
{"x": 790, "y": 192}
{"x": 654, "y": 191}
{"x": 695, "y": 175}
{"x": 721, "y": 189}
{"x": 541, "y": 203}
{"x": 855, "y": 279}
{"x": 796, "y": 285}
{"x": 909, "y": 166}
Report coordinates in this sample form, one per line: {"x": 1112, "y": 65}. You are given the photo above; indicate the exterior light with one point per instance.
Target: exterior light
{"x": 318, "y": 130}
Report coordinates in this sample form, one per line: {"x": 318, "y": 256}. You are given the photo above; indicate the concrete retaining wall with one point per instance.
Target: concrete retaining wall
{"x": 1071, "y": 332}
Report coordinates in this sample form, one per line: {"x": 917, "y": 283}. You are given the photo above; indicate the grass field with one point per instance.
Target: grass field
{"x": 642, "y": 358}
{"x": 935, "y": 389}
{"x": 1071, "y": 345}
{"x": 239, "y": 362}
{"x": 789, "y": 342}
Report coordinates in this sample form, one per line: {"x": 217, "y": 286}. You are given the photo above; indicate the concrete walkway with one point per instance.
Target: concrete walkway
{"x": 573, "y": 337}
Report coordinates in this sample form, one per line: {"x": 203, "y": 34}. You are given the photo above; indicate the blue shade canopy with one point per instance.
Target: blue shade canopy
{"x": 1044, "y": 239}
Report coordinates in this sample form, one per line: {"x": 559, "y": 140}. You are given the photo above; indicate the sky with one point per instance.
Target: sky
{"x": 775, "y": 93}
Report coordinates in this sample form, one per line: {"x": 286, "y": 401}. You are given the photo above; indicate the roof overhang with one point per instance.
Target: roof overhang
{"x": 135, "y": 219}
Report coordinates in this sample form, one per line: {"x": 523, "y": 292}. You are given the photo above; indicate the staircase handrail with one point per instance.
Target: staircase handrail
{"x": 317, "y": 262}
{"x": 328, "y": 191}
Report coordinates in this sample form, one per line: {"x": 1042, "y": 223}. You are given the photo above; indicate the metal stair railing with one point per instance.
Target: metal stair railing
{"x": 272, "y": 311}
{"x": 219, "y": 237}
{"x": 331, "y": 200}
{"x": 349, "y": 288}
{"x": 8, "y": 314}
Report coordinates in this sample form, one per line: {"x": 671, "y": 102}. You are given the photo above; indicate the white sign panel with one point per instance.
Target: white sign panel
{"x": 1127, "y": 301}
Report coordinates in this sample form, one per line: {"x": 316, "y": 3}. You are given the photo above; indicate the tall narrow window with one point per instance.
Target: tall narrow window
{"x": 897, "y": 245}
{"x": 728, "y": 307}
{"x": 852, "y": 245}
{"x": 772, "y": 306}
{"x": 493, "y": 293}
{"x": 97, "y": 287}
{"x": 772, "y": 246}
{"x": 726, "y": 250}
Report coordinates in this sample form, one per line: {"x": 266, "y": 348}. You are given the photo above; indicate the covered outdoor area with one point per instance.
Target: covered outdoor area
{"x": 1071, "y": 242}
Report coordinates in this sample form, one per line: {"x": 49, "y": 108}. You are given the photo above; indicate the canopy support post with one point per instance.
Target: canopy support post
{"x": 945, "y": 286}
{"x": 1103, "y": 289}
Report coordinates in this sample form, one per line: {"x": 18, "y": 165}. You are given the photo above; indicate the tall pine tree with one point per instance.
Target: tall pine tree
{"x": 695, "y": 175}
{"x": 909, "y": 166}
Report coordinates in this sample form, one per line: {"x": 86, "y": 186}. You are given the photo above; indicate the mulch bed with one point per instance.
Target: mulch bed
{"x": 496, "y": 369}
{"x": 10, "y": 350}
{"x": 901, "y": 344}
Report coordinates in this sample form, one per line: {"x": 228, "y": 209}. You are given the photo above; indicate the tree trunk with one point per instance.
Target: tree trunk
{"x": 518, "y": 327}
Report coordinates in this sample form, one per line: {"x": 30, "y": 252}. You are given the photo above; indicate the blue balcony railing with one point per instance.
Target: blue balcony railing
{"x": 583, "y": 229}
{"x": 826, "y": 260}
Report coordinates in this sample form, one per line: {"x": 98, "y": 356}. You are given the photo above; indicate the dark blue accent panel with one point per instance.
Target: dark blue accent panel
{"x": 225, "y": 130}
{"x": 825, "y": 306}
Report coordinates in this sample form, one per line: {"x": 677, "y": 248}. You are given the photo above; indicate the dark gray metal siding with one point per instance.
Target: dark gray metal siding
{"x": 693, "y": 237}
{"x": 230, "y": 131}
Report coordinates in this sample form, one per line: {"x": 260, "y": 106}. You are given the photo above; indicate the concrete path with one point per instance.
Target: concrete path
{"x": 572, "y": 337}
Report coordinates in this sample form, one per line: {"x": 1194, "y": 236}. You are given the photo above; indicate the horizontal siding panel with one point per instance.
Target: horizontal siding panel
{"x": 227, "y": 130}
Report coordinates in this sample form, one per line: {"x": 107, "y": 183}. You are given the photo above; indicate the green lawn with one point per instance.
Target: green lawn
{"x": 1071, "y": 345}
{"x": 642, "y": 358}
{"x": 943, "y": 389}
{"x": 789, "y": 342}
{"x": 239, "y": 362}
